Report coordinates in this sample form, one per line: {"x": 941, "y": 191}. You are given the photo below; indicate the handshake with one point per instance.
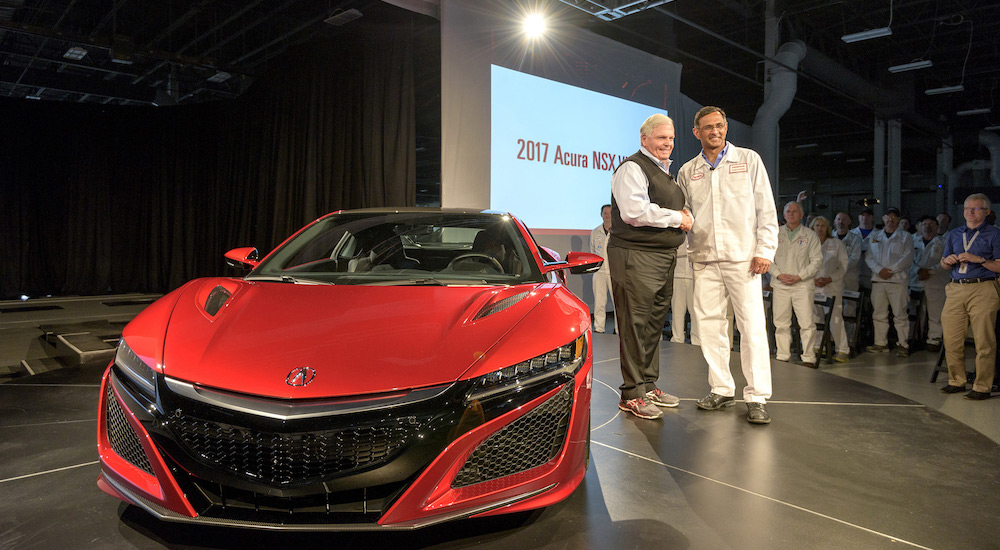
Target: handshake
{"x": 686, "y": 220}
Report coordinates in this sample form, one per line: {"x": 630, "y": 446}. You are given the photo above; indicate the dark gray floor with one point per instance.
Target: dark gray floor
{"x": 843, "y": 465}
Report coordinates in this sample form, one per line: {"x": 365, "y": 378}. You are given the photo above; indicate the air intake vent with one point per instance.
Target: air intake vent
{"x": 216, "y": 299}
{"x": 498, "y": 306}
{"x": 123, "y": 439}
{"x": 526, "y": 443}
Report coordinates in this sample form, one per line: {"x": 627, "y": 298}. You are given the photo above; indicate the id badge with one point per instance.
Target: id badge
{"x": 963, "y": 267}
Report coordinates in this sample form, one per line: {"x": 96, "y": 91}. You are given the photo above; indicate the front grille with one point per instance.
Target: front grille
{"x": 280, "y": 459}
{"x": 526, "y": 443}
{"x": 124, "y": 441}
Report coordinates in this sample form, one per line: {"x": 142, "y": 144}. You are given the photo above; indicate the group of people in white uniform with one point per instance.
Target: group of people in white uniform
{"x": 701, "y": 244}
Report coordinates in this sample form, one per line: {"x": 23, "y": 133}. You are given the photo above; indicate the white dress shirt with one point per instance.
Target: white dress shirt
{"x": 630, "y": 188}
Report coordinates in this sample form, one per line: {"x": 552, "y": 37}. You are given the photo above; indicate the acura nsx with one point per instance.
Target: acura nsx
{"x": 380, "y": 369}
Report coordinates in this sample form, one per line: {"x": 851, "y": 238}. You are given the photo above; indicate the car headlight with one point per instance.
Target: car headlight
{"x": 142, "y": 376}
{"x": 565, "y": 359}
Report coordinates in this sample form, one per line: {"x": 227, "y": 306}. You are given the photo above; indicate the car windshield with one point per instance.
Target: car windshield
{"x": 404, "y": 248}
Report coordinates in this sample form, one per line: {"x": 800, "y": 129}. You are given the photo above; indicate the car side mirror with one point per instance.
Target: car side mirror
{"x": 578, "y": 263}
{"x": 583, "y": 262}
{"x": 245, "y": 258}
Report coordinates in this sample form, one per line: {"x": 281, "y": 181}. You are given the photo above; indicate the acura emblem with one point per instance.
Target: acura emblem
{"x": 300, "y": 376}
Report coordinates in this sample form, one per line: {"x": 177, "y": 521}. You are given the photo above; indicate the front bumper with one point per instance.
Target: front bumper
{"x": 459, "y": 459}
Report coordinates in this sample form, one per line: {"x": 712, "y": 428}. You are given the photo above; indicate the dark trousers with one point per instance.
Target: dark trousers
{"x": 642, "y": 284}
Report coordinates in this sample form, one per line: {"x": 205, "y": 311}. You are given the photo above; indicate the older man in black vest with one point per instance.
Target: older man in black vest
{"x": 648, "y": 222}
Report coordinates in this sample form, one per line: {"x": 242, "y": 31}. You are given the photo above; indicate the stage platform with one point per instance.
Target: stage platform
{"x": 845, "y": 464}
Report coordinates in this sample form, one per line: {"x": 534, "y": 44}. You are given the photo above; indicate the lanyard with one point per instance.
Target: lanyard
{"x": 968, "y": 242}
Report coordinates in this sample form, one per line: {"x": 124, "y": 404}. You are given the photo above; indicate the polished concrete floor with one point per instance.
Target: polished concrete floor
{"x": 863, "y": 455}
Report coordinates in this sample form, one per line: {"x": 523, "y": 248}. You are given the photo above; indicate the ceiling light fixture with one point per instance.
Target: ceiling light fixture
{"x": 340, "y": 17}
{"x": 831, "y": 153}
{"x": 856, "y": 159}
{"x": 912, "y": 66}
{"x": 970, "y": 112}
{"x": 75, "y": 53}
{"x": 806, "y": 145}
{"x": 220, "y": 76}
{"x": 534, "y": 25}
{"x": 866, "y": 35}
{"x": 945, "y": 90}
{"x": 990, "y": 128}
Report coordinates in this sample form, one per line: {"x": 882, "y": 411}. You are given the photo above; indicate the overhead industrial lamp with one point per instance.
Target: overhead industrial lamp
{"x": 945, "y": 90}
{"x": 340, "y": 17}
{"x": 218, "y": 77}
{"x": 75, "y": 53}
{"x": 866, "y": 35}
{"x": 992, "y": 128}
{"x": 922, "y": 64}
{"x": 971, "y": 112}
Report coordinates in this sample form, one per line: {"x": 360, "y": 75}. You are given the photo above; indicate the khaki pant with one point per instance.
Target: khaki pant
{"x": 974, "y": 305}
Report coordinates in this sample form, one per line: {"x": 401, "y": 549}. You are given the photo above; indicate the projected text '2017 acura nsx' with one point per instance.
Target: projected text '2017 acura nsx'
{"x": 379, "y": 369}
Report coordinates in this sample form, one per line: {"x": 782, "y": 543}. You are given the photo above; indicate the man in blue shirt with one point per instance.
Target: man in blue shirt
{"x": 972, "y": 252}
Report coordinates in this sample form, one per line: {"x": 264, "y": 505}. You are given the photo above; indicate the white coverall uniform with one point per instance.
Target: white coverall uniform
{"x": 853, "y": 243}
{"x": 602, "y": 277}
{"x": 896, "y": 253}
{"x": 864, "y": 272}
{"x": 683, "y": 299}
{"x": 734, "y": 221}
{"x": 928, "y": 256}
{"x": 835, "y": 262}
{"x": 798, "y": 254}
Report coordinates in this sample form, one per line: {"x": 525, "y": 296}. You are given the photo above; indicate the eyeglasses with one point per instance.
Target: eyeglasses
{"x": 710, "y": 127}
{"x": 974, "y": 208}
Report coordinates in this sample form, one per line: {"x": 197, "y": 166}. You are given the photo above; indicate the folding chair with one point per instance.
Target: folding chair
{"x": 826, "y": 344}
{"x": 852, "y": 310}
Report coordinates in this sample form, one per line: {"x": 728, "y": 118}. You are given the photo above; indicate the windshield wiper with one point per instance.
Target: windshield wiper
{"x": 429, "y": 281}
{"x": 288, "y": 279}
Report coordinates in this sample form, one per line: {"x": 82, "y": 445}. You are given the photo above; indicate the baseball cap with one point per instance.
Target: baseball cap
{"x": 893, "y": 210}
{"x": 868, "y": 211}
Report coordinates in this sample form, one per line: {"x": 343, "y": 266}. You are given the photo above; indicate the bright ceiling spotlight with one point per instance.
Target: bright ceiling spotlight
{"x": 534, "y": 25}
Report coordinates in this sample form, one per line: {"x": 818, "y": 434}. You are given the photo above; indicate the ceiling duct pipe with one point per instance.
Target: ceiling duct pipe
{"x": 992, "y": 143}
{"x": 784, "y": 82}
{"x": 887, "y": 103}
{"x": 955, "y": 176}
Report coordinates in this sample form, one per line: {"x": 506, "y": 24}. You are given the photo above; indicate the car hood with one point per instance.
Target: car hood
{"x": 358, "y": 339}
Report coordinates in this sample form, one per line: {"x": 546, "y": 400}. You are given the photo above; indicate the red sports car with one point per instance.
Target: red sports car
{"x": 379, "y": 369}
